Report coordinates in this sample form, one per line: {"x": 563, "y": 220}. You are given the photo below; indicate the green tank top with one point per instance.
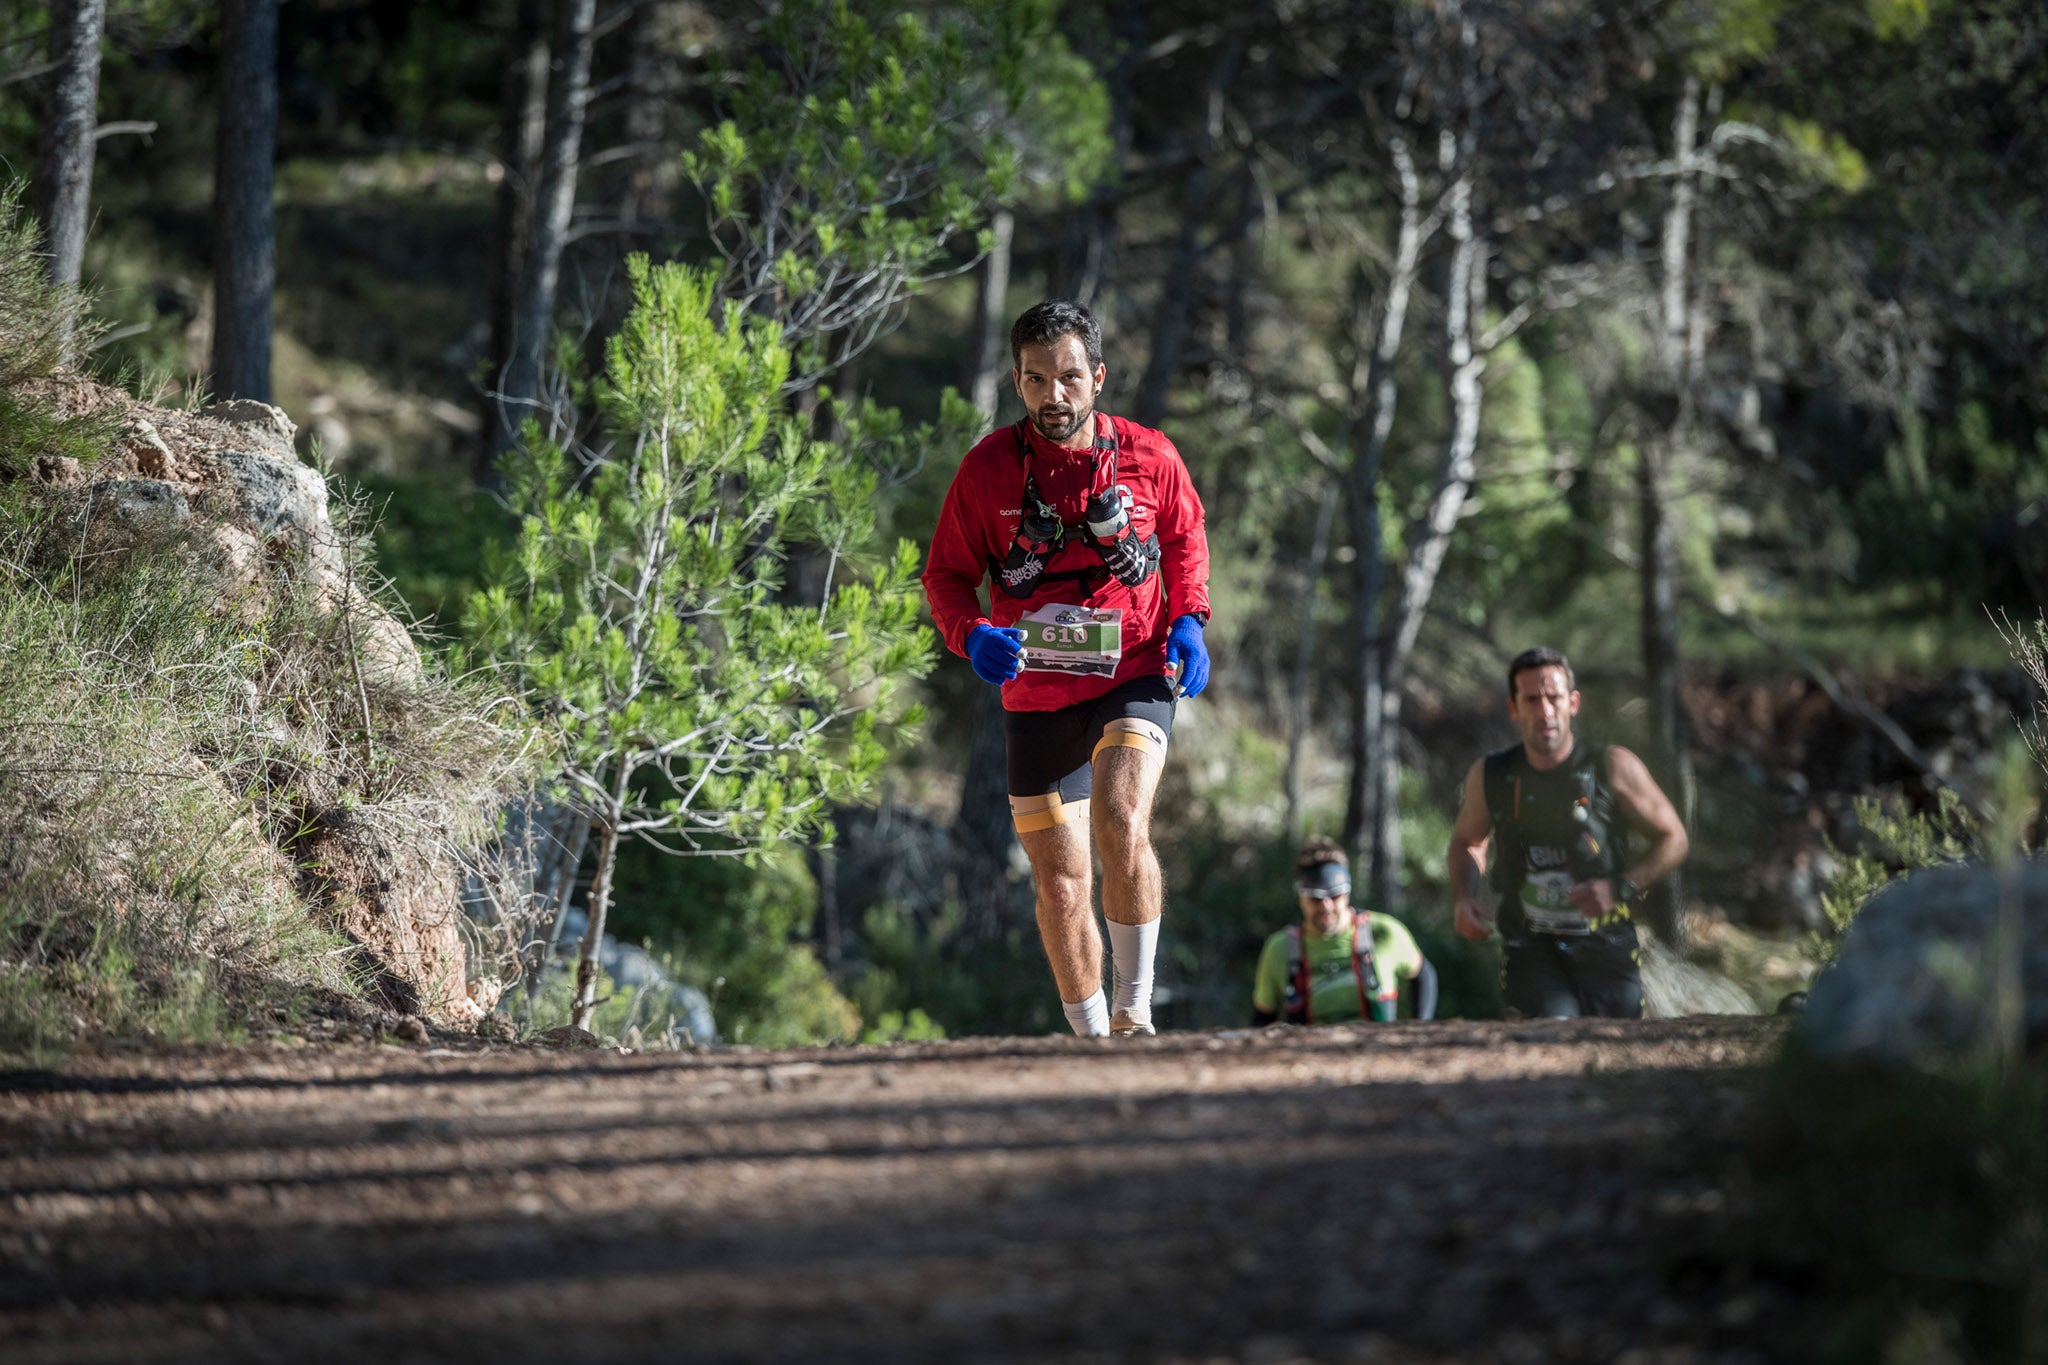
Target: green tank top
{"x": 1551, "y": 828}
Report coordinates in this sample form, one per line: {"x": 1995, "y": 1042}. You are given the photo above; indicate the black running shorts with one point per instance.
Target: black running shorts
{"x": 1567, "y": 976}
{"x": 1052, "y": 751}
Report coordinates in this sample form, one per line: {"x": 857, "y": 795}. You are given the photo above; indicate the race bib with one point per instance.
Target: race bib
{"x": 1063, "y": 639}
{"x": 1546, "y": 903}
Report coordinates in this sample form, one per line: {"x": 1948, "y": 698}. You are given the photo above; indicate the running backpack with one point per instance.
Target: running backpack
{"x": 1587, "y": 825}
{"x": 1296, "y": 1008}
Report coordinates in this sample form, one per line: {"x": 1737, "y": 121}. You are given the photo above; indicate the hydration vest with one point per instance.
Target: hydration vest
{"x": 1569, "y": 807}
{"x": 1023, "y": 579}
{"x": 1296, "y": 1008}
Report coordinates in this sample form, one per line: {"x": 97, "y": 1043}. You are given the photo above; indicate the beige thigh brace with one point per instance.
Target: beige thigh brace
{"x": 1131, "y": 733}
{"x": 1033, "y": 813}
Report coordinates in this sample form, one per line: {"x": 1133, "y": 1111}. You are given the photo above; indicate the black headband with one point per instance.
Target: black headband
{"x": 1324, "y": 879}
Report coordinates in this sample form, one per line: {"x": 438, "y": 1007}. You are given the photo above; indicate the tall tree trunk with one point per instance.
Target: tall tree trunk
{"x": 982, "y": 832}
{"x": 64, "y": 175}
{"x": 1181, "y": 287}
{"x": 244, "y": 238}
{"x": 988, "y": 359}
{"x": 653, "y": 171}
{"x": 567, "y": 836}
{"x": 1176, "y": 304}
{"x": 554, "y": 203}
{"x": 1304, "y": 659}
{"x": 1464, "y": 313}
{"x": 1659, "y": 551}
{"x": 1237, "y": 322}
{"x": 1429, "y": 541}
{"x": 1085, "y": 269}
{"x": 522, "y": 118}
{"x": 828, "y": 932}
{"x": 1362, "y": 498}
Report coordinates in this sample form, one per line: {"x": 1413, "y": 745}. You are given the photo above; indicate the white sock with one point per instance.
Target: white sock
{"x": 1090, "y": 1017}
{"x": 1131, "y": 947}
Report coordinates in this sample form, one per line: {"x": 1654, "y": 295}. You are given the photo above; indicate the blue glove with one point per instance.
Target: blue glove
{"x": 1186, "y": 654}
{"x": 994, "y": 651}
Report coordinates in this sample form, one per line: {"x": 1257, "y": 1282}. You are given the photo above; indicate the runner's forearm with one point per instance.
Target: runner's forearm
{"x": 1659, "y": 859}
{"x": 1466, "y": 868}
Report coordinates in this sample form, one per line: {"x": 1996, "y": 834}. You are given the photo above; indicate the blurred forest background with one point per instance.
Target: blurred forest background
{"x": 1706, "y": 340}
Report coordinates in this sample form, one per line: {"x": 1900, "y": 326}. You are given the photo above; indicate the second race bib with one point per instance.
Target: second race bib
{"x": 1546, "y": 902}
{"x": 1063, "y": 639}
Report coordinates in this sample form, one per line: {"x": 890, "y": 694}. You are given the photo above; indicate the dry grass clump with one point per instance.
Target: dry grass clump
{"x": 208, "y": 809}
{"x": 132, "y": 869}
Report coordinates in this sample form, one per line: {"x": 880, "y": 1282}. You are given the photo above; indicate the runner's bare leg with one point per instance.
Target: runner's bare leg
{"x": 1126, "y": 781}
{"x": 1061, "y": 885}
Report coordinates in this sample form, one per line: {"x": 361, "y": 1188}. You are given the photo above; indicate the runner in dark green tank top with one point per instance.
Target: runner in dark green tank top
{"x": 1560, "y": 815}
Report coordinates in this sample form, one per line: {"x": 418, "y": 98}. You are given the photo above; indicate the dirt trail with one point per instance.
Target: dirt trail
{"x": 1456, "y": 1191}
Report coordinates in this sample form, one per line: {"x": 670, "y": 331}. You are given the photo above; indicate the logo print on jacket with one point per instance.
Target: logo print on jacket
{"x": 1024, "y": 573}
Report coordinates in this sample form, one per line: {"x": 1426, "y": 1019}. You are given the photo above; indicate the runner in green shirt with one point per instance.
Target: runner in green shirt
{"x": 1313, "y": 973}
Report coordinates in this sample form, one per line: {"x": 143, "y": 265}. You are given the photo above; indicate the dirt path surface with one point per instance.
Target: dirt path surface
{"x": 1453, "y": 1191}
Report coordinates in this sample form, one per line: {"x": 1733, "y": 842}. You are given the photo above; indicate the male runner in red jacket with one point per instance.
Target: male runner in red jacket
{"x": 1090, "y": 535}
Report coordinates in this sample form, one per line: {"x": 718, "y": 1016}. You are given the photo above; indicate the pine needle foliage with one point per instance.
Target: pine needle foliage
{"x": 641, "y": 610}
{"x": 36, "y": 316}
{"x": 859, "y": 148}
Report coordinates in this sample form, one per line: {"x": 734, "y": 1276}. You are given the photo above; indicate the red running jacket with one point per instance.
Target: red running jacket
{"x": 978, "y": 523}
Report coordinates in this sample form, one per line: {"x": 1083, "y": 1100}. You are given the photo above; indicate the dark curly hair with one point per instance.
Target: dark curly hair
{"x": 1044, "y": 323}
{"x": 1318, "y": 850}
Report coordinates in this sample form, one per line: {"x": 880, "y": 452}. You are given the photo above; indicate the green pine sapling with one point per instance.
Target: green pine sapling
{"x": 639, "y": 606}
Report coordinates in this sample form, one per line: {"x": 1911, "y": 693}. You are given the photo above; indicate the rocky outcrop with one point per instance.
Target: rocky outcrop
{"x": 226, "y": 485}
{"x": 1921, "y": 972}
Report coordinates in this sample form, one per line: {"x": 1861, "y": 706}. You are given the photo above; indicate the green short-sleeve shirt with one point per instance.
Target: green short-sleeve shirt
{"x": 1333, "y": 986}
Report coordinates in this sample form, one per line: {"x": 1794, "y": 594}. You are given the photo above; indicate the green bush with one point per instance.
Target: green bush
{"x": 1910, "y": 1210}
{"x": 433, "y": 538}
{"x": 739, "y": 932}
{"x": 1891, "y": 843}
{"x": 981, "y": 987}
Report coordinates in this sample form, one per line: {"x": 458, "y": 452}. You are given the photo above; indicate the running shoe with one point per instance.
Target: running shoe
{"x": 1125, "y": 1024}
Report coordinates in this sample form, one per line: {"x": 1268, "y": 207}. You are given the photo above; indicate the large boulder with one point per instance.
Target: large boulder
{"x": 1918, "y": 978}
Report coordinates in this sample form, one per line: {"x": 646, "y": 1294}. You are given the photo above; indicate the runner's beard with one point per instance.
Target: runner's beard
{"x": 1554, "y": 745}
{"x": 1060, "y": 425}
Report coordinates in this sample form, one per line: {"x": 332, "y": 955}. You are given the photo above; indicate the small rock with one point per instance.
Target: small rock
{"x": 496, "y": 1027}
{"x": 59, "y": 470}
{"x": 570, "y": 1037}
{"x": 282, "y": 499}
{"x": 152, "y": 457}
{"x": 790, "y": 1075}
{"x": 266, "y": 425}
